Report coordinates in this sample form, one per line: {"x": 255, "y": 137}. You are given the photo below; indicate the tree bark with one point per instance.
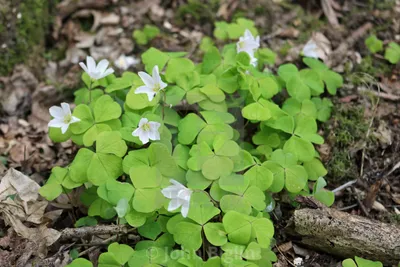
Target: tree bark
{"x": 346, "y": 235}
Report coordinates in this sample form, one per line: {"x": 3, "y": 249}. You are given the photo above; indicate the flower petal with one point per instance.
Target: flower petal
{"x": 156, "y": 75}
{"x": 64, "y": 128}
{"x": 170, "y": 191}
{"x": 91, "y": 64}
{"x": 106, "y": 73}
{"x": 147, "y": 79}
{"x": 56, "y": 112}
{"x": 176, "y": 183}
{"x": 185, "y": 209}
{"x": 74, "y": 119}
{"x": 102, "y": 66}
{"x": 56, "y": 123}
{"x": 83, "y": 66}
{"x": 143, "y": 121}
{"x": 174, "y": 204}
{"x": 145, "y": 90}
{"x": 66, "y": 108}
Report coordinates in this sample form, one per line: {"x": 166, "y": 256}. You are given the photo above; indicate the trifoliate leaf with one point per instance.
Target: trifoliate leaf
{"x": 101, "y": 208}
{"x": 113, "y": 191}
{"x": 122, "y": 253}
{"x": 111, "y": 143}
{"x": 215, "y": 234}
{"x": 104, "y": 167}
{"x": 147, "y": 199}
{"x": 201, "y": 208}
{"x": 84, "y": 113}
{"x": 80, "y": 262}
{"x": 188, "y": 235}
{"x": 373, "y": 44}
{"x": 189, "y": 127}
{"x": 392, "y": 53}
{"x": 106, "y": 109}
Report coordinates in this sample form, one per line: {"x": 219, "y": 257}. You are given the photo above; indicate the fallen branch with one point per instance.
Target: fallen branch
{"x": 346, "y": 235}
{"x": 339, "y": 53}
{"x": 82, "y": 232}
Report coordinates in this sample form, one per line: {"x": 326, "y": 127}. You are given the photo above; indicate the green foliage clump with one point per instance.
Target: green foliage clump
{"x": 144, "y": 36}
{"x": 392, "y": 52}
{"x": 374, "y": 44}
{"x": 223, "y": 173}
{"x": 360, "y": 262}
{"x": 231, "y": 31}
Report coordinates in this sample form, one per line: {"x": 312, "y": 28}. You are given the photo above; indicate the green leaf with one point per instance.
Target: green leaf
{"x": 348, "y": 263}
{"x": 108, "y": 259}
{"x": 260, "y": 176}
{"x": 90, "y": 136}
{"x": 148, "y": 199}
{"x": 150, "y": 230}
{"x": 256, "y": 111}
{"x": 111, "y": 143}
{"x": 58, "y": 137}
{"x": 86, "y": 221}
{"x": 324, "y": 108}
{"x": 153, "y": 177}
{"x": 243, "y": 59}
{"x": 51, "y": 191}
{"x": 315, "y": 169}
{"x": 367, "y": 263}
{"x": 79, "y": 167}
{"x": 153, "y": 57}
{"x": 84, "y": 113}
{"x": 392, "y": 53}
{"x": 139, "y": 101}
{"x": 135, "y": 158}
{"x": 160, "y": 157}
{"x": 150, "y": 257}
{"x": 304, "y": 150}
{"x": 216, "y": 167}
{"x": 201, "y": 208}
{"x": 252, "y": 252}
{"x": 106, "y": 109}
{"x": 213, "y": 93}
{"x": 101, "y": 208}
{"x": 373, "y": 44}
{"x": 177, "y": 66}
{"x": 238, "y": 227}
{"x": 122, "y": 253}
{"x": 215, "y": 234}
{"x": 235, "y": 203}
{"x": 188, "y": 235}
{"x": 135, "y": 219}
{"x": 306, "y": 128}
{"x": 181, "y": 155}
{"x": 113, "y": 191}
{"x": 211, "y": 60}
{"x": 104, "y": 167}
{"x": 189, "y": 127}
{"x": 223, "y": 147}
{"x": 80, "y": 262}
{"x": 321, "y": 194}
{"x": 196, "y": 180}
{"x": 295, "y": 178}
{"x": 234, "y": 183}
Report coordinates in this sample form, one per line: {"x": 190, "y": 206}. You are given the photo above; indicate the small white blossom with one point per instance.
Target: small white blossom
{"x": 249, "y": 44}
{"x": 62, "y": 117}
{"x": 124, "y": 62}
{"x": 179, "y": 195}
{"x": 317, "y": 47}
{"x": 152, "y": 84}
{"x": 96, "y": 72}
{"x": 298, "y": 261}
{"x": 147, "y": 130}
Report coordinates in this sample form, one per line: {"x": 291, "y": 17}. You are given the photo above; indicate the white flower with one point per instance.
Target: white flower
{"x": 248, "y": 43}
{"x": 179, "y": 195}
{"x": 62, "y": 117}
{"x": 317, "y": 47}
{"x": 147, "y": 130}
{"x": 124, "y": 62}
{"x": 152, "y": 85}
{"x": 96, "y": 72}
{"x": 298, "y": 261}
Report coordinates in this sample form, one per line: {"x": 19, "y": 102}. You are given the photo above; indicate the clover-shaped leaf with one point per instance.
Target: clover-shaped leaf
{"x": 323, "y": 195}
{"x": 122, "y": 253}
{"x": 392, "y": 53}
{"x": 113, "y": 191}
{"x": 215, "y": 233}
{"x": 286, "y": 172}
{"x": 105, "y": 109}
{"x": 201, "y": 208}
{"x": 80, "y": 262}
{"x": 315, "y": 169}
{"x": 111, "y": 143}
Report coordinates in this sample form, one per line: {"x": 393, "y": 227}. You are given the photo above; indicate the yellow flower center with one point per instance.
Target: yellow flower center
{"x": 156, "y": 88}
{"x": 67, "y": 118}
{"x": 146, "y": 127}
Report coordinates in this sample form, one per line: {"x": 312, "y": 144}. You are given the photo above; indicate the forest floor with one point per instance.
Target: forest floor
{"x": 41, "y": 44}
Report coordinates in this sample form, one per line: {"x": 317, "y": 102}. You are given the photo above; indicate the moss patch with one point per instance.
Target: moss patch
{"x": 24, "y": 38}
{"x": 348, "y": 128}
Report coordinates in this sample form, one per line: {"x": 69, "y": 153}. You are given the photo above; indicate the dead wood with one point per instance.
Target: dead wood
{"x": 345, "y": 235}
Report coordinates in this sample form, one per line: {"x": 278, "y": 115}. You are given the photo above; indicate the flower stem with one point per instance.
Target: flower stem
{"x": 163, "y": 104}
{"x": 90, "y": 91}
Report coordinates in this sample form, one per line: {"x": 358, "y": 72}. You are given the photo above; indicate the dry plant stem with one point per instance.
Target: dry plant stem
{"x": 105, "y": 242}
{"x": 360, "y": 202}
{"x": 82, "y": 232}
{"x": 287, "y": 260}
{"x": 345, "y": 235}
{"x": 337, "y": 55}
{"x": 344, "y": 186}
{"x": 329, "y": 12}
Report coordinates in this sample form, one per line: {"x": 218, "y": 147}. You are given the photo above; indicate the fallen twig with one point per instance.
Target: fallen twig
{"x": 339, "y": 53}
{"x": 383, "y": 95}
{"x": 82, "y": 232}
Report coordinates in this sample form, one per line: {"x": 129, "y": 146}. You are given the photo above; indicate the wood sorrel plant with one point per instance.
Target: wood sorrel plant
{"x": 192, "y": 155}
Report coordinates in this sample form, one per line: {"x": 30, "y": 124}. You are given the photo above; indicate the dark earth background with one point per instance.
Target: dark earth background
{"x": 41, "y": 43}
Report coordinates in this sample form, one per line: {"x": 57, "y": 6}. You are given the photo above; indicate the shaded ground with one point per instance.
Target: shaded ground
{"x": 39, "y": 69}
